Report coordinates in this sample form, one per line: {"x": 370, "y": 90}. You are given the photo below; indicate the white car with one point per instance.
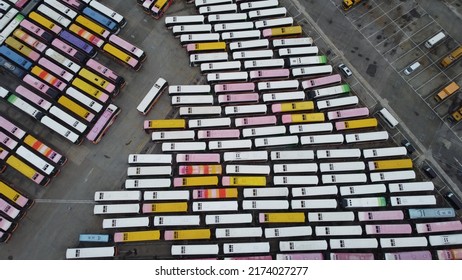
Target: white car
{"x": 411, "y": 68}
{"x": 345, "y": 70}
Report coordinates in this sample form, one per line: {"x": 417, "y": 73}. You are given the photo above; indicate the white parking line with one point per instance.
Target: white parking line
{"x": 64, "y": 201}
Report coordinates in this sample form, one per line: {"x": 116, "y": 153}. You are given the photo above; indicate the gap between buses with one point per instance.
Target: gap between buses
{"x": 176, "y": 271}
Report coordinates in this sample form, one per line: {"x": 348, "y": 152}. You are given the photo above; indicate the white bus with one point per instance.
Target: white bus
{"x": 149, "y": 159}
{"x": 165, "y": 195}
{"x": 295, "y": 180}
{"x": 268, "y": 13}
{"x": 322, "y": 139}
{"x": 189, "y": 89}
{"x": 212, "y": 206}
{"x": 411, "y": 187}
{"x": 292, "y": 42}
{"x": 217, "y": 18}
{"x": 263, "y": 131}
{"x": 313, "y": 204}
{"x": 310, "y": 128}
{"x": 338, "y": 230}
{"x": 248, "y": 169}
{"x": 298, "y": 51}
{"x": 264, "y": 64}
{"x": 221, "y": 66}
{"x": 36, "y": 161}
{"x": 199, "y": 38}
{"x": 337, "y": 102}
{"x": 392, "y": 176}
{"x": 366, "y": 137}
{"x": 255, "y": 5}
{"x": 62, "y": 60}
{"x": 362, "y": 189}
{"x": 118, "y": 18}
{"x": 218, "y": 9}
{"x": 246, "y": 248}
{"x": 200, "y": 111}
{"x": 265, "y": 204}
{"x": 284, "y": 96}
{"x": 400, "y": 242}
{"x": 149, "y": 171}
{"x": 266, "y": 192}
{"x": 198, "y": 58}
{"x": 233, "y": 26}
{"x": 308, "y": 245}
{"x": 109, "y": 209}
{"x": 152, "y": 96}
{"x": 241, "y": 35}
{"x": 210, "y": 122}
{"x": 279, "y": 85}
{"x": 295, "y": 168}
{"x": 271, "y": 23}
{"x": 414, "y": 200}
{"x": 250, "y": 232}
{"x": 180, "y": 100}
{"x": 62, "y": 8}
{"x": 52, "y": 14}
{"x": 61, "y": 130}
{"x": 239, "y": 76}
{"x": 91, "y": 252}
{"x": 173, "y": 135}
{"x": 137, "y": 222}
{"x": 311, "y": 70}
{"x": 68, "y": 119}
{"x": 104, "y": 196}
{"x": 344, "y": 178}
{"x": 245, "y": 156}
{"x": 342, "y": 166}
{"x": 288, "y": 232}
{"x": 248, "y": 45}
{"x": 84, "y": 99}
{"x": 307, "y": 61}
{"x": 179, "y": 30}
{"x": 338, "y": 153}
{"x": 293, "y": 155}
{"x": 315, "y": 191}
{"x": 364, "y": 202}
{"x": 329, "y": 91}
{"x": 388, "y": 118}
{"x": 183, "y": 146}
{"x": 445, "y": 240}
{"x": 347, "y": 216}
{"x": 228, "y": 219}
{"x": 385, "y": 152}
{"x": 183, "y": 20}
{"x": 230, "y": 144}
{"x": 256, "y": 54}
{"x": 357, "y": 243}
{"x": 191, "y": 250}
{"x": 147, "y": 183}
{"x": 180, "y": 220}
{"x": 276, "y": 141}
{"x": 200, "y": 3}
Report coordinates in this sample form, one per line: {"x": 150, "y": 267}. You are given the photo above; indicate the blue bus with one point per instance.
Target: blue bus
{"x": 13, "y": 69}
{"x": 102, "y": 238}
{"x": 109, "y": 24}
{"x": 78, "y": 43}
{"x": 16, "y": 58}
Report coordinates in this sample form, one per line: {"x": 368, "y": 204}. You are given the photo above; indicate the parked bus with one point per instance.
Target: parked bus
{"x": 384, "y": 152}
{"x": 255, "y": 54}
{"x": 288, "y": 231}
{"x": 134, "y": 51}
{"x": 57, "y": 70}
{"x": 308, "y": 61}
{"x": 75, "y": 4}
{"x": 69, "y": 120}
{"x": 415, "y": 200}
{"x": 344, "y": 216}
{"x": 431, "y": 213}
{"x": 13, "y": 69}
{"x": 348, "y": 113}
{"x": 412, "y": 255}
{"x": 228, "y": 219}
{"x": 265, "y": 205}
{"x": 364, "y": 202}
{"x": 22, "y": 49}
{"x": 356, "y": 124}
{"x": 195, "y": 181}
{"x": 12, "y": 128}
{"x": 281, "y": 217}
{"x": 53, "y": 15}
{"x": 299, "y": 51}
{"x": 179, "y": 30}
{"x": 306, "y": 118}
{"x": 249, "y": 45}
{"x": 269, "y": 74}
{"x": 342, "y": 166}
{"x": 25, "y": 107}
{"x": 265, "y": 192}
{"x": 80, "y": 44}
{"x": 46, "y": 23}
{"x": 241, "y": 35}
{"x": 171, "y": 21}
{"x": 149, "y": 171}
{"x": 189, "y": 89}
{"x": 263, "y": 131}
{"x": 28, "y": 39}
{"x": 164, "y": 124}
{"x": 198, "y": 158}
{"x": 246, "y": 248}
{"x": 43, "y": 149}
{"x": 218, "y": 9}
{"x": 337, "y": 102}
{"x": 323, "y": 81}
{"x": 279, "y": 85}
{"x": 338, "y": 230}
{"x": 209, "y": 122}
{"x": 387, "y": 229}
{"x": 322, "y": 139}
{"x": 165, "y": 195}
{"x": 306, "y": 245}
{"x": 313, "y": 204}
{"x": 357, "y": 243}
{"x": 276, "y": 141}
{"x": 22, "y": 62}
{"x": 231, "y": 17}
{"x": 315, "y": 191}
{"x": 233, "y": 26}
{"x": 173, "y": 135}
{"x": 402, "y": 242}
{"x": 264, "y": 64}
{"x": 165, "y": 207}
{"x": 196, "y": 59}
{"x": 366, "y": 137}
{"x": 119, "y": 19}
{"x": 220, "y": 66}
{"x": 451, "y": 254}
{"x": 363, "y": 189}
{"x": 34, "y": 98}
{"x": 271, "y": 23}
{"x": 247, "y": 232}
{"x": 244, "y": 181}
{"x": 92, "y": 26}
{"x": 152, "y": 96}
{"x": 122, "y": 57}
{"x": 234, "y": 87}
{"x": 91, "y": 252}
{"x": 245, "y": 110}
{"x": 76, "y": 108}
{"x": 392, "y": 176}
{"x": 245, "y": 156}
{"x": 84, "y": 99}
{"x": 215, "y": 193}
{"x": 267, "y": 13}
{"x": 292, "y": 107}
{"x": 230, "y": 144}
{"x": 411, "y": 187}
{"x": 219, "y": 134}
{"x": 338, "y": 153}
{"x": 86, "y": 35}
{"x": 300, "y": 257}
{"x": 200, "y": 111}
{"x": 351, "y": 256}
{"x": 439, "y": 227}
{"x": 284, "y": 96}
{"x": 147, "y": 183}
{"x": 138, "y": 222}
{"x": 62, "y": 60}
{"x": 214, "y": 206}
{"x": 36, "y": 31}
{"x": 95, "y": 15}
{"x": 137, "y": 236}
{"x": 49, "y": 78}
{"x": 380, "y": 215}
{"x": 255, "y": 121}
{"x": 255, "y": 5}
{"x": 103, "y": 123}
{"x": 240, "y": 76}
{"x": 291, "y": 31}
{"x": 25, "y": 169}
{"x": 111, "y": 209}
{"x": 199, "y": 38}
{"x": 70, "y": 51}
{"x": 445, "y": 240}
{"x": 200, "y": 3}
{"x": 15, "y": 197}
{"x": 7, "y": 17}
{"x": 188, "y": 250}
{"x": 390, "y": 164}
{"x": 187, "y": 234}
{"x": 206, "y": 47}
{"x": 70, "y": 13}
{"x": 61, "y": 130}
{"x": 310, "y": 128}
{"x": 292, "y": 155}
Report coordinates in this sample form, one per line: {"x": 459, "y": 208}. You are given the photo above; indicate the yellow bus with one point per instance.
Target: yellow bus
{"x": 206, "y": 47}
{"x": 390, "y": 164}
{"x": 290, "y": 31}
{"x": 200, "y": 181}
{"x": 187, "y": 234}
{"x": 90, "y": 90}
{"x": 21, "y": 48}
{"x": 453, "y": 56}
{"x": 215, "y": 193}
{"x": 136, "y": 236}
{"x": 48, "y": 24}
{"x": 244, "y": 181}
{"x": 27, "y": 170}
{"x": 97, "y": 80}
{"x": 91, "y": 25}
{"x": 293, "y": 107}
{"x": 164, "y": 124}
{"x": 303, "y": 118}
{"x": 14, "y": 196}
{"x": 76, "y": 108}
{"x": 284, "y": 217}
{"x": 356, "y": 124}
{"x": 122, "y": 56}
{"x": 165, "y": 207}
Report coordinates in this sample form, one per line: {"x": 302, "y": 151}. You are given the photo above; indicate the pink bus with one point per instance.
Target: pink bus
{"x": 106, "y": 72}
{"x": 9, "y": 210}
{"x": 439, "y": 227}
{"x": 269, "y": 74}
{"x": 254, "y": 121}
{"x": 219, "y": 134}
{"x": 389, "y": 229}
{"x": 103, "y": 123}
{"x": 234, "y": 87}
{"x": 35, "y": 30}
{"x": 198, "y": 158}
{"x": 42, "y": 87}
{"x": 3, "y": 154}
{"x": 412, "y": 255}
{"x": 351, "y": 256}
{"x": 31, "y": 41}
{"x": 6, "y": 225}
{"x": 76, "y": 4}
{"x": 253, "y": 258}
{"x": 300, "y": 257}
{"x": 55, "y": 69}
{"x": 327, "y": 80}
{"x": 348, "y": 113}
{"x": 34, "y": 98}
{"x": 7, "y": 141}
{"x": 69, "y": 51}
{"x": 199, "y": 169}
{"x": 126, "y": 46}
{"x": 238, "y": 98}
{"x": 46, "y": 151}
{"x": 451, "y": 254}
{"x": 381, "y": 215}
{"x": 48, "y": 77}
{"x": 12, "y": 128}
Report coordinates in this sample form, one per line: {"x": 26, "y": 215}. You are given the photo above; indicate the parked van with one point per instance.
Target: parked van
{"x": 454, "y": 200}
{"x": 447, "y": 91}
{"x": 453, "y": 56}
{"x": 435, "y": 40}
{"x": 457, "y": 114}
{"x": 411, "y": 68}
